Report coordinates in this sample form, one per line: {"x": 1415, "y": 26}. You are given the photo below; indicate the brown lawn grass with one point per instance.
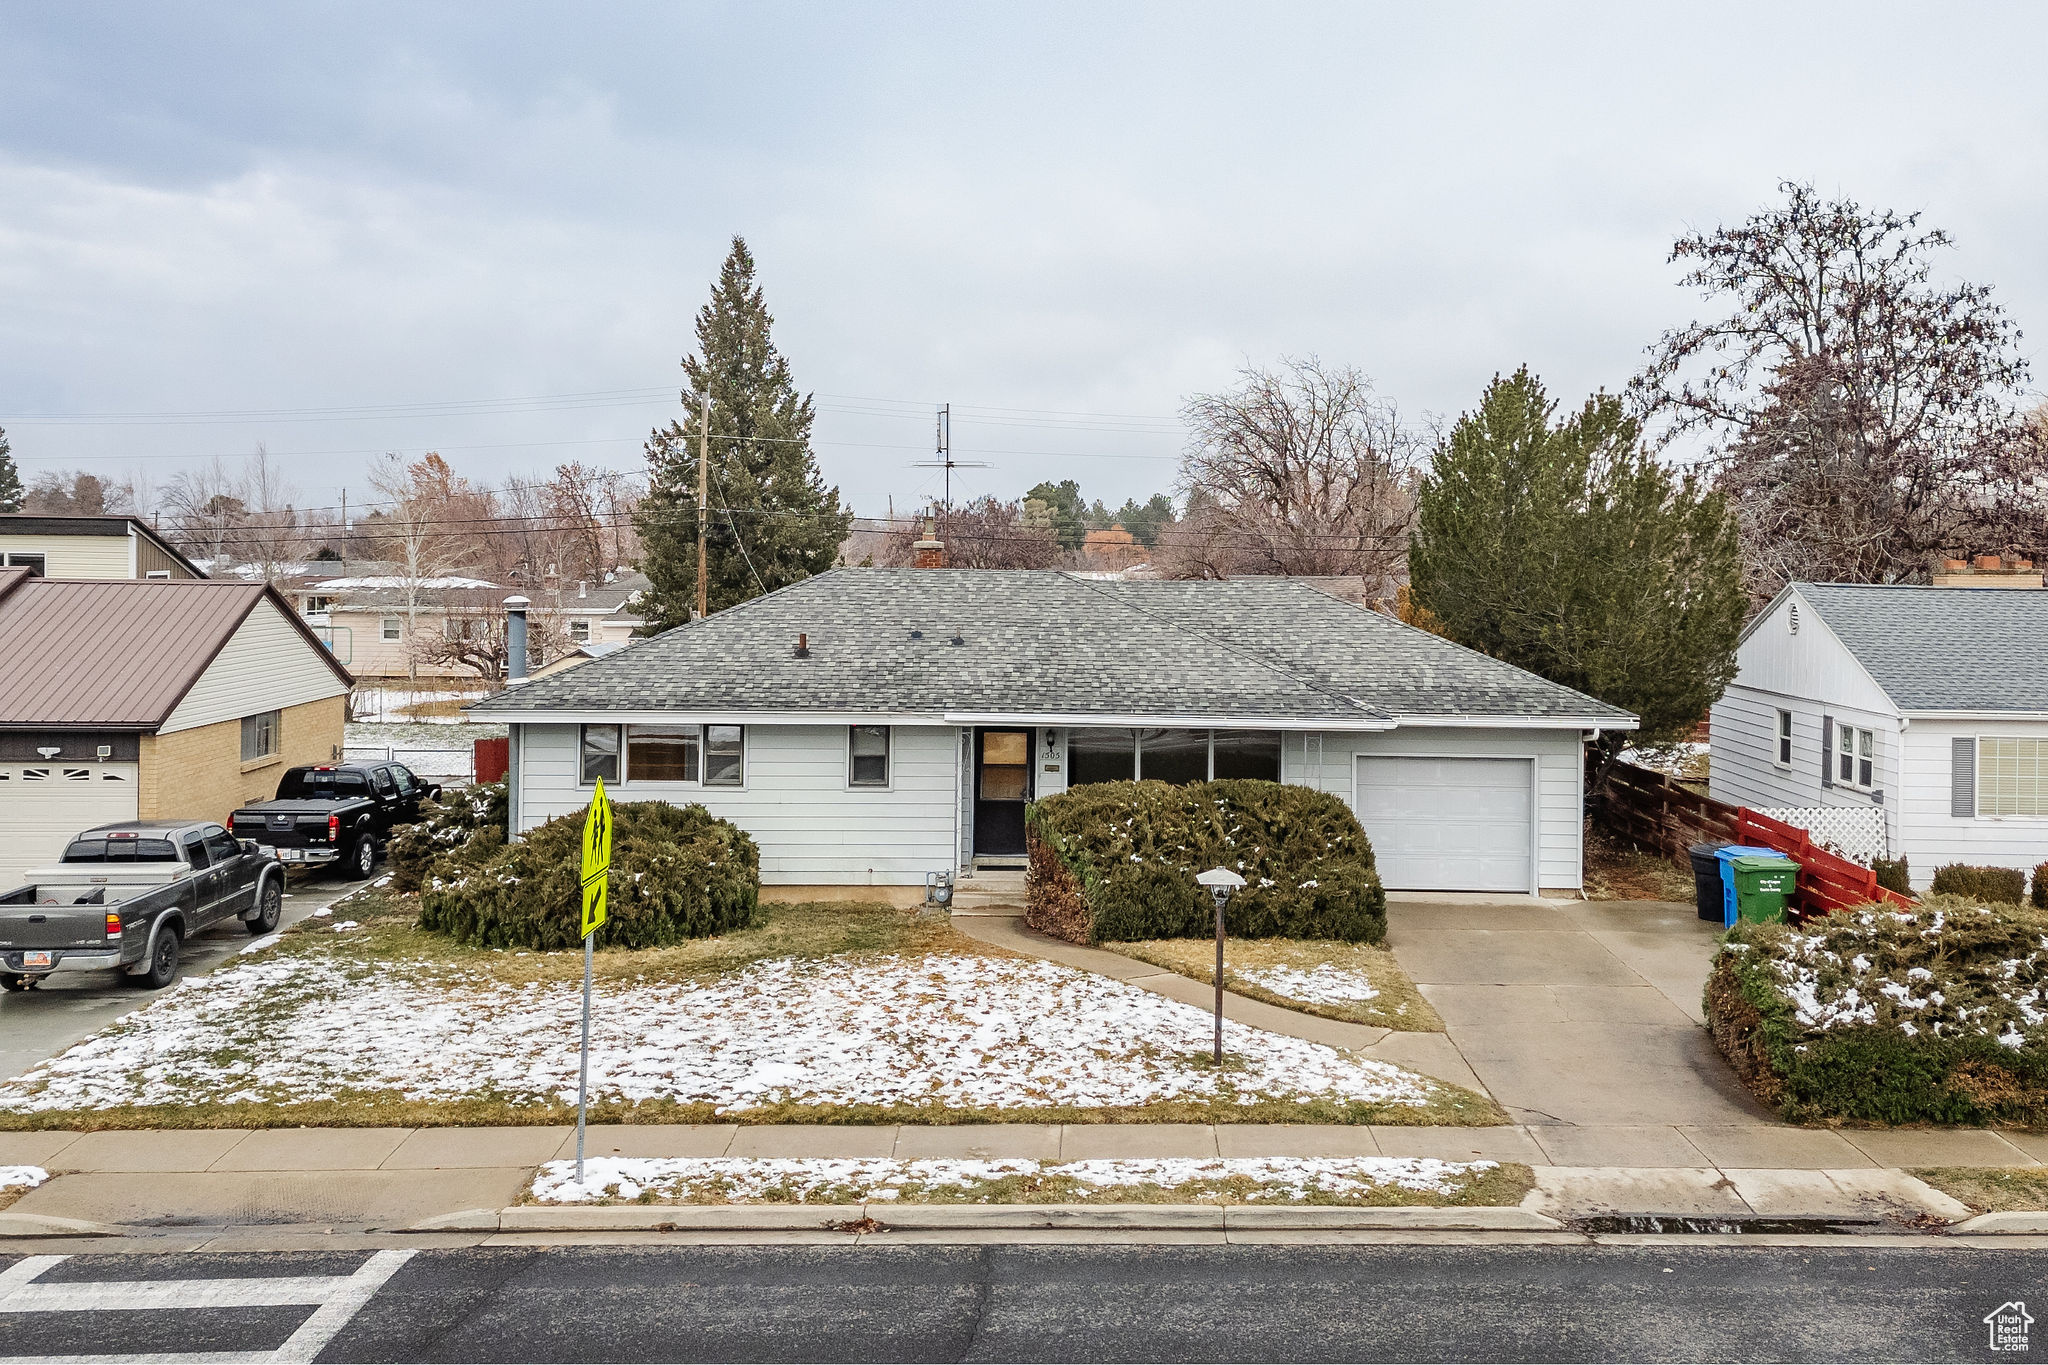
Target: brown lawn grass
{"x": 1991, "y": 1189}
{"x": 1399, "y": 1004}
{"x": 1614, "y": 873}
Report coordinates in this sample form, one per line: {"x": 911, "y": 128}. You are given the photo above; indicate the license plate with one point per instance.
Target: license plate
{"x": 291, "y": 855}
{"x": 35, "y": 959}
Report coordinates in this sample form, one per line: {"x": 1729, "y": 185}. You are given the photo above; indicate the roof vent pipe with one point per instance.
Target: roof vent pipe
{"x": 803, "y": 645}
{"x": 515, "y": 639}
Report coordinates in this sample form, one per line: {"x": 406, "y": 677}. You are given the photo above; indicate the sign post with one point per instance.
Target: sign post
{"x": 597, "y": 866}
{"x": 1221, "y": 881}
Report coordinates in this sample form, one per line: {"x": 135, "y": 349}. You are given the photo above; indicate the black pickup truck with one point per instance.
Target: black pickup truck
{"x": 340, "y": 815}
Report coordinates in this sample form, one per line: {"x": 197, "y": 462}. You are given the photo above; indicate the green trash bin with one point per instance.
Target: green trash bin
{"x": 1763, "y": 886}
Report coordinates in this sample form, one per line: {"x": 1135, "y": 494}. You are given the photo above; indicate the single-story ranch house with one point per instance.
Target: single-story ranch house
{"x": 1927, "y": 704}
{"x": 125, "y": 699}
{"x": 871, "y": 726}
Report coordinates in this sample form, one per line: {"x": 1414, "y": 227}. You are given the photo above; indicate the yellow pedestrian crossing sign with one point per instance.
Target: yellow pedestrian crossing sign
{"x": 597, "y": 860}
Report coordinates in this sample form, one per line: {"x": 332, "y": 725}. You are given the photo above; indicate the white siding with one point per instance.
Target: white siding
{"x": 1930, "y": 836}
{"x": 266, "y": 665}
{"x": 77, "y": 556}
{"x": 43, "y": 804}
{"x": 1743, "y": 765}
{"x": 1813, "y": 663}
{"x": 1329, "y": 761}
{"x": 813, "y": 829}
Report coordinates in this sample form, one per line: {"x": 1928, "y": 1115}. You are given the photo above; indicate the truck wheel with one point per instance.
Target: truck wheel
{"x": 163, "y": 963}
{"x": 269, "y": 907}
{"x": 361, "y": 860}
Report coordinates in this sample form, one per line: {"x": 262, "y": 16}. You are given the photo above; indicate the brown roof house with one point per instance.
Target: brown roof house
{"x": 150, "y": 698}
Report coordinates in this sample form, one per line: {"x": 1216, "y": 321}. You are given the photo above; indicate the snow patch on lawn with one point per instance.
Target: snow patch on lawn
{"x": 959, "y": 1031}
{"x": 743, "y": 1180}
{"x": 21, "y": 1177}
{"x": 1323, "y": 984}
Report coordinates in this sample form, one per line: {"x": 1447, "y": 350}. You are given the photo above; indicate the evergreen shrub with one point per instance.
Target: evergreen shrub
{"x": 2040, "y": 888}
{"x": 1116, "y": 861}
{"x": 1935, "y": 1013}
{"x": 1893, "y": 874}
{"x": 677, "y": 873}
{"x": 463, "y": 824}
{"x": 2005, "y": 885}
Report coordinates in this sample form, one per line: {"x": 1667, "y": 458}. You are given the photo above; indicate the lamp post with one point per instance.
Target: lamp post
{"x": 1221, "y": 881}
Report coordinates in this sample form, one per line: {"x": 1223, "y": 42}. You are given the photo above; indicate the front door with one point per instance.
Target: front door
{"x": 1002, "y": 784}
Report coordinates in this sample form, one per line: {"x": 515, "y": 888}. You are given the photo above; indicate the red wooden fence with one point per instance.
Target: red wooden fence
{"x": 493, "y": 758}
{"x": 1652, "y": 811}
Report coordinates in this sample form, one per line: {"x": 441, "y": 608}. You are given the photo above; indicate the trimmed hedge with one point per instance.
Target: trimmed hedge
{"x": 1893, "y": 874}
{"x": 2003, "y": 885}
{"x": 2040, "y": 891}
{"x": 1936, "y": 1013}
{"x": 677, "y": 873}
{"x": 460, "y": 823}
{"x": 1116, "y": 861}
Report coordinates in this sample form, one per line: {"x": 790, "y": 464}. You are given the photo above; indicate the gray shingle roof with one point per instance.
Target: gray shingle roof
{"x": 1944, "y": 649}
{"x": 1049, "y": 643}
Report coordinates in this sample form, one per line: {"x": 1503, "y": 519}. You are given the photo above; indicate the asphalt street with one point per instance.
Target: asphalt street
{"x": 1838, "y": 1301}
{"x": 71, "y": 1006}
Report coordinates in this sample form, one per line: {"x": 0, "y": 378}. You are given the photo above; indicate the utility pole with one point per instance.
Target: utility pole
{"x": 703, "y": 505}
{"x": 946, "y": 462}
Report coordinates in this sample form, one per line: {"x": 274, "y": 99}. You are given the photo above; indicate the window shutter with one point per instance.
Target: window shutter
{"x": 1827, "y": 751}
{"x": 1962, "y": 777}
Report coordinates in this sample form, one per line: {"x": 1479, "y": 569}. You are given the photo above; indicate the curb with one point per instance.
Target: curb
{"x": 2021, "y": 1221}
{"x": 43, "y": 1225}
{"x": 982, "y": 1218}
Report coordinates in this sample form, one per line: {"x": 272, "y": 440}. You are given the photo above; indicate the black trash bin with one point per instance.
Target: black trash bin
{"x": 1707, "y": 891}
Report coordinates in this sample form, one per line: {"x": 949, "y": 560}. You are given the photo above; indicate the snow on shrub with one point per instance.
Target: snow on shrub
{"x": 678, "y": 872}
{"x": 1933, "y": 1013}
{"x": 1116, "y": 861}
{"x": 463, "y": 824}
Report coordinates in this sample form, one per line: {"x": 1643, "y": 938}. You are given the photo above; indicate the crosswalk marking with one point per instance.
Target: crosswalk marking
{"x": 338, "y": 1298}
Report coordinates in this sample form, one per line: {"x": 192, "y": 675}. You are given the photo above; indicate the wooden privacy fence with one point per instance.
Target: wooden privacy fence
{"x": 1653, "y": 812}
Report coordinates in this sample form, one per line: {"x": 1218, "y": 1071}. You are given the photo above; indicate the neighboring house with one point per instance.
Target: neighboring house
{"x": 381, "y": 624}
{"x": 89, "y": 547}
{"x": 575, "y": 658}
{"x": 139, "y": 699}
{"x": 871, "y": 726}
{"x": 1928, "y": 704}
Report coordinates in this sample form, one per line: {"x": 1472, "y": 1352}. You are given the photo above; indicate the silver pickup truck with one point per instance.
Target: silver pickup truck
{"x": 126, "y": 896}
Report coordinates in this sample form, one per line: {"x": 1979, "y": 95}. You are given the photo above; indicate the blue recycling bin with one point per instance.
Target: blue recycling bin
{"x": 1727, "y": 855}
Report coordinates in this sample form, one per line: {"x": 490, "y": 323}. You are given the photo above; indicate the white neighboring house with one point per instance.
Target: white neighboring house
{"x": 871, "y": 726}
{"x": 1929, "y": 704}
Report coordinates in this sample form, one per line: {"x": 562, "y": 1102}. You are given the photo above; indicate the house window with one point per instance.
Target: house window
{"x": 579, "y": 631}
{"x": 1101, "y": 756}
{"x": 1855, "y": 756}
{"x": 1784, "y": 739}
{"x": 1248, "y": 753}
{"x": 157, "y": 573}
{"x": 724, "y": 755}
{"x": 661, "y": 753}
{"x": 259, "y": 735}
{"x": 1178, "y": 756}
{"x": 868, "y": 755}
{"x": 37, "y": 565}
{"x": 393, "y": 627}
{"x": 599, "y": 754}
{"x": 2012, "y": 777}
{"x": 319, "y": 604}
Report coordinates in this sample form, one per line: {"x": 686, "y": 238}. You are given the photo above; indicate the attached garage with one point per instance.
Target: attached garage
{"x": 43, "y": 804}
{"x": 1450, "y": 824}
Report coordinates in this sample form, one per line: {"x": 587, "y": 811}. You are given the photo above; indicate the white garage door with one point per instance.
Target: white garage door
{"x": 43, "y": 804}
{"x": 1448, "y": 824}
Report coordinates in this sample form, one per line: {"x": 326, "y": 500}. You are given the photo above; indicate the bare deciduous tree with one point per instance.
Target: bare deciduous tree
{"x": 77, "y": 494}
{"x": 1300, "y": 470}
{"x": 986, "y": 533}
{"x": 1860, "y": 414}
{"x": 420, "y": 527}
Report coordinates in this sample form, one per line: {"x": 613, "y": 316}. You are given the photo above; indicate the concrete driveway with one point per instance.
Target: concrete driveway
{"x": 70, "y": 1007}
{"x": 1576, "y": 1013}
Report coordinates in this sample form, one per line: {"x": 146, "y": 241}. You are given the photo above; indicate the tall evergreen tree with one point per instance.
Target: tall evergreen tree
{"x": 10, "y": 477}
{"x": 773, "y": 521}
{"x": 1567, "y": 549}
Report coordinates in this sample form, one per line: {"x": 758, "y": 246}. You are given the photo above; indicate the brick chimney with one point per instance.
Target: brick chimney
{"x": 929, "y": 553}
{"x": 1987, "y": 571}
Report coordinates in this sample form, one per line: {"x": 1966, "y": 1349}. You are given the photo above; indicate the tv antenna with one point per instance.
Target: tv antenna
{"x": 946, "y": 462}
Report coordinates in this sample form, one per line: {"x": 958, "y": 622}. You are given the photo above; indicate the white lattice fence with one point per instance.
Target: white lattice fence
{"x": 1856, "y": 833}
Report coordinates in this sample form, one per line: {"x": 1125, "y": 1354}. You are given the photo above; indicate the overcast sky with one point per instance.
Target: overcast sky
{"x": 223, "y": 225}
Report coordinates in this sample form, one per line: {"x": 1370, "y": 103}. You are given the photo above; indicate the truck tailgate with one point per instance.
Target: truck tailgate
{"x": 53, "y": 926}
{"x": 283, "y": 829}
